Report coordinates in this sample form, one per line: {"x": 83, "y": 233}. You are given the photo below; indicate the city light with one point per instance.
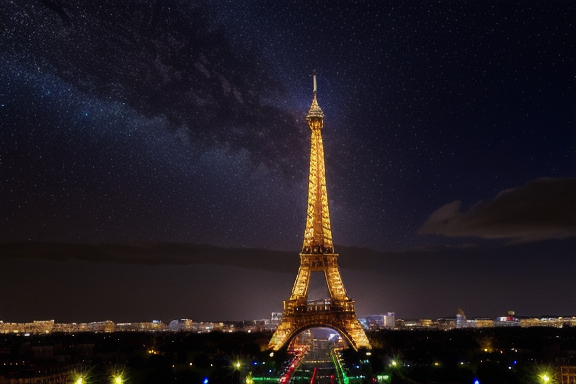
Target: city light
{"x": 80, "y": 378}
{"x": 545, "y": 374}
{"x": 38, "y": 327}
{"x": 383, "y": 378}
{"x": 292, "y": 366}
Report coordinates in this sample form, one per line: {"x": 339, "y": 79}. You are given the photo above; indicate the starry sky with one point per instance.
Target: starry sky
{"x": 154, "y": 156}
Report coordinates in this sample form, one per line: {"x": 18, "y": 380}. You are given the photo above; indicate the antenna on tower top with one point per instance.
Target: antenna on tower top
{"x": 314, "y": 77}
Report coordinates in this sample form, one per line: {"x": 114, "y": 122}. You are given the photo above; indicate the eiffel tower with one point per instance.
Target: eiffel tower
{"x": 318, "y": 255}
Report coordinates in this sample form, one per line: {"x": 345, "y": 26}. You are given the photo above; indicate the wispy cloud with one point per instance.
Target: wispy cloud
{"x": 153, "y": 254}
{"x": 72, "y": 282}
{"x": 542, "y": 209}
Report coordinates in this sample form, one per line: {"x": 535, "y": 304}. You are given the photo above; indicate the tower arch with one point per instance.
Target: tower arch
{"x": 347, "y": 338}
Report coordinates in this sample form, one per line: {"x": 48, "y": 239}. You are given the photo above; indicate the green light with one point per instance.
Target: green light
{"x": 383, "y": 378}
{"x": 339, "y": 370}
{"x": 265, "y": 379}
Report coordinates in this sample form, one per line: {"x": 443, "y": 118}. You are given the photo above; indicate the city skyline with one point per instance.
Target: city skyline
{"x": 379, "y": 321}
{"x": 154, "y": 157}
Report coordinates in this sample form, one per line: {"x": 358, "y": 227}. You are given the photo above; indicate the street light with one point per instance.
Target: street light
{"x": 546, "y": 376}
{"x": 238, "y": 367}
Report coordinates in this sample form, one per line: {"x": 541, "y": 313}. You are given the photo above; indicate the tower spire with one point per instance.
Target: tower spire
{"x": 315, "y": 116}
{"x": 314, "y": 79}
{"x": 318, "y": 234}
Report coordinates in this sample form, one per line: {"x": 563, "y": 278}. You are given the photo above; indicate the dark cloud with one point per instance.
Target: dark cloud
{"x": 153, "y": 254}
{"x": 542, "y": 209}
{"x": 168, "y": 281}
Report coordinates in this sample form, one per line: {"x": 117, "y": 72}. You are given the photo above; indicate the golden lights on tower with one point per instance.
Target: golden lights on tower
{"x": 318, "y": 255}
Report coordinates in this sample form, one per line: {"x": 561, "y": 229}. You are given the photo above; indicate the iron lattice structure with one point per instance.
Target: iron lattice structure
{"x": 318, "y": 255}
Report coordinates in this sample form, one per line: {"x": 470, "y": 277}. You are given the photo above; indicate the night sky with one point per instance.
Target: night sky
{"x": 154, "y": 156}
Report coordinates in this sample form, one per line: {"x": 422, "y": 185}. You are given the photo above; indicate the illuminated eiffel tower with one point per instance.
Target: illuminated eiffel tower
{"x": 318, "y": 255}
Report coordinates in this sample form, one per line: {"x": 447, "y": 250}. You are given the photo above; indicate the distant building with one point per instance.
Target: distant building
{"x": 507, "y": 321}
{"x": 181, "y": 325}
{"x": 446, "y": 323}
{"x": 275, "y": 320}
{"x": 380, "y": 321}
{"x": 36, "y": 327}
{"x": 565, "y": 374}
{"x": 461, "y": 319}
{"x": 390, "y": 320}
{"x": 102, "y": 326}
{"x": 409, "y": 324}
{"x": 481, "y": 323}
{"x": 426, "y": 323}
{"x": 374, "y": 321}
{"x": 155, "y": 325}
